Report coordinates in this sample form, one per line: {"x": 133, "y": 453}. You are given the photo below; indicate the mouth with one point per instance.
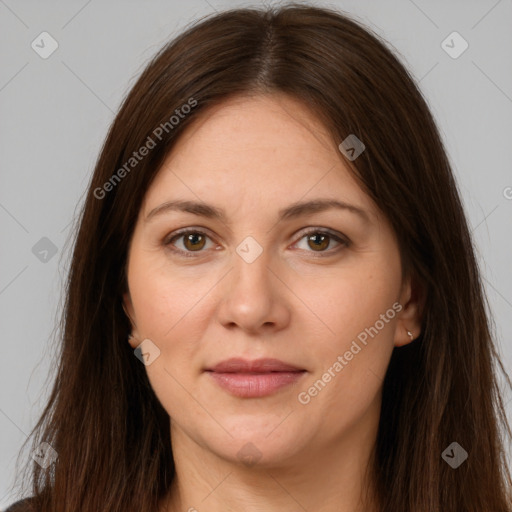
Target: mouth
{"x": 254, "y": 379}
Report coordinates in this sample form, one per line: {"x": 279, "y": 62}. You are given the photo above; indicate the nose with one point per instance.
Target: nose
{"x": 254, "y": 296}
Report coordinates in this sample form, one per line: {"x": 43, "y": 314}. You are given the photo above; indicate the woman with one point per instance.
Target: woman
{"x": 274, "y": 301}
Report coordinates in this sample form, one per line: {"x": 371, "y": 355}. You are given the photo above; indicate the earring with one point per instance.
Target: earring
{"x": 409, "y": 333}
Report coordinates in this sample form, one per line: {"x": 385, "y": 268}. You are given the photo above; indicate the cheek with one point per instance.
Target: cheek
{"x": 359, "y": 320}
{"x": 170, "y": 312}
{"x": 164, "y": 298}
{"x": 349, "y": 301}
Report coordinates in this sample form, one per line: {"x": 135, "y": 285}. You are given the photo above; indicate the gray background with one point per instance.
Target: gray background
{"x": 55, "y": 113}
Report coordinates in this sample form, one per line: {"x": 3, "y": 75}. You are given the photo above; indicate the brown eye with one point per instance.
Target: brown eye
{"x": 318, "y": 241}
{"x": 194, "y": 241}
{"x": 187, "y": 242}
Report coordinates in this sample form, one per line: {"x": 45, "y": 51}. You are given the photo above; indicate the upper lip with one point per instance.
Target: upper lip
{"x": 265, "y": 365}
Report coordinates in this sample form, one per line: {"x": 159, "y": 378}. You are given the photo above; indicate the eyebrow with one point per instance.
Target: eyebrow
{"x": 293, "y": 211}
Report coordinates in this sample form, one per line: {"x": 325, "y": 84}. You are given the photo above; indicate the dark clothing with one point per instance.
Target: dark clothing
{"x": 24, "y": 505}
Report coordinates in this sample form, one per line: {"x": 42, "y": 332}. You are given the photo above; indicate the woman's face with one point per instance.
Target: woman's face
{"x": 258, "y": 276}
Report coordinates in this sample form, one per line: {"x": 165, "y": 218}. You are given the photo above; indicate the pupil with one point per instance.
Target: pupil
{"x": 192, "y": 238}
{"x": 321, "y": 243}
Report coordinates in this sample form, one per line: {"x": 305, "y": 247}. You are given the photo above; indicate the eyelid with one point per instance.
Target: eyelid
{"x": 340, "y": 238}
{"x": 317, "y": 229}
{"x": 184, "y": 231}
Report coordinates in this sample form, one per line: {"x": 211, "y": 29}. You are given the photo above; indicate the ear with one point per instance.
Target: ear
{"x": 409, "y": 317}
{"x": 128, "y": 309}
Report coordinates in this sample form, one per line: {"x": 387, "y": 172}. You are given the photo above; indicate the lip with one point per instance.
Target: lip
{"x": 265, "y": 365}
{"x": 256, "y": 378}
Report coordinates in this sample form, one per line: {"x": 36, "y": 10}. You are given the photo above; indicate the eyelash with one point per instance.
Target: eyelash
{"x": 190, "y": 254}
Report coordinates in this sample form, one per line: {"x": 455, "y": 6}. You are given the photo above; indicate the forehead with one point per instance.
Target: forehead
{"x": 262, "y": 150}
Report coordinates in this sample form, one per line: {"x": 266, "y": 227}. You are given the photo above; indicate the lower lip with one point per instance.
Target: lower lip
{"x": 253, "y": 385}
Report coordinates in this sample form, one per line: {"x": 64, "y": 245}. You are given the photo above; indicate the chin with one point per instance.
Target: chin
{"x": 260, "y": 443}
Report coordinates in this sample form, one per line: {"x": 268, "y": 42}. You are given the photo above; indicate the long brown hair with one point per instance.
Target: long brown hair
{"x": 103, "y": 419}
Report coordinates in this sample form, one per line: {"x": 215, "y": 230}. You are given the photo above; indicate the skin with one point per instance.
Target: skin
{"x": 252, "y": 156}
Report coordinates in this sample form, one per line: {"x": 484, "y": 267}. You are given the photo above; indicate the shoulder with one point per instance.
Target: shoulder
{"x": 24, "y": 505}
